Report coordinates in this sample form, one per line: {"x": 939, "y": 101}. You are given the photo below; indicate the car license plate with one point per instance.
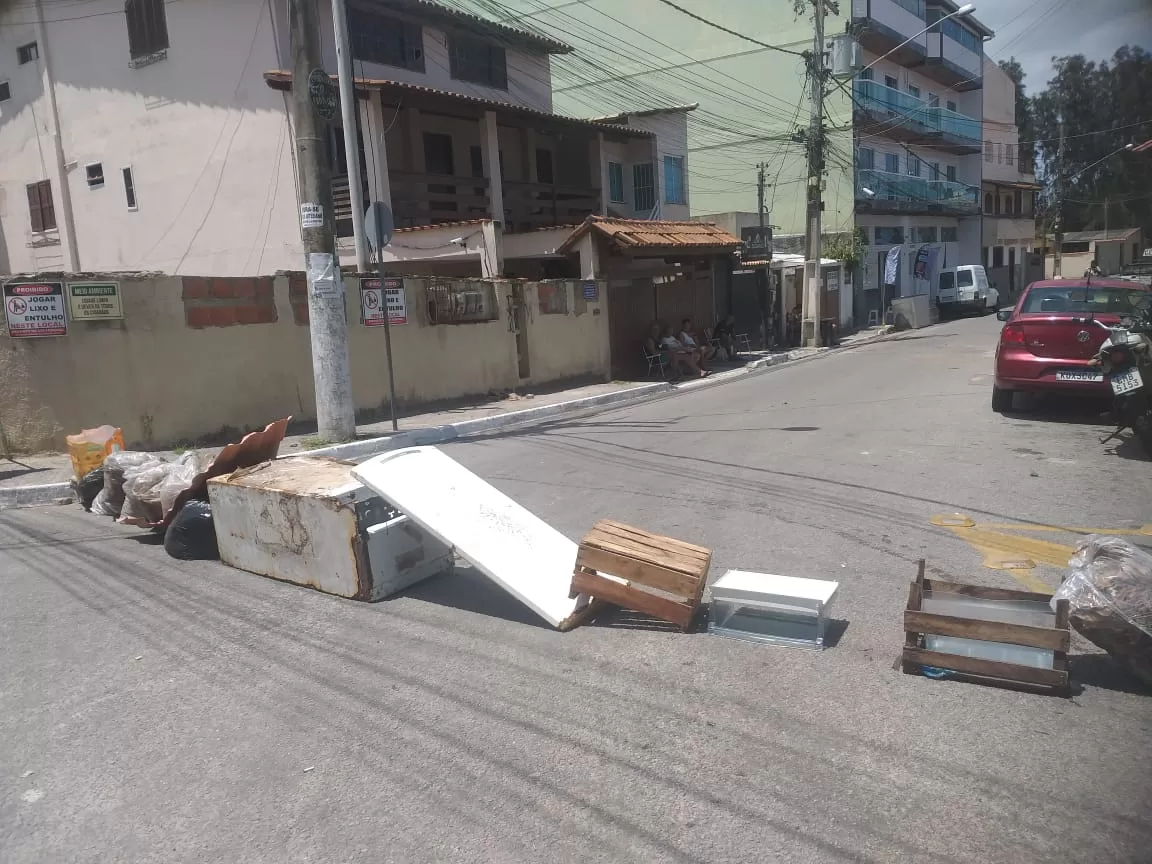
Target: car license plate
{"x": 1127, "y": 381}
{"x": 1079, "y": 375}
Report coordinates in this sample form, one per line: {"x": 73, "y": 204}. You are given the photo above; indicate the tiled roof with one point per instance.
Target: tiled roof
{"x": 278, "y": 79}
{"x": 655, "y": 234}
{"x": 623, "y": 116}
{"x": 433, "y": 10}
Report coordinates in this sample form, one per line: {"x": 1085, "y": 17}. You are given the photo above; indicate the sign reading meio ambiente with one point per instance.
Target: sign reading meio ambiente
{"x": 94, "y": 301}
{"x": 35, "y": 309}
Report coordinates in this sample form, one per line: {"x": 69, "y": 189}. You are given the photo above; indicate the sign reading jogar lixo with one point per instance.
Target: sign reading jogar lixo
{"x": 35, "y": 309}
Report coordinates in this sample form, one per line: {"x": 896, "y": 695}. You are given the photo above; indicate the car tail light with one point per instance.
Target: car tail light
{"x": 1012, "y": 334}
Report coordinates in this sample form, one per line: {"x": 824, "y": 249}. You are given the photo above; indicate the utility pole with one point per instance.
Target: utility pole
{"x": 348, "y": 113}
{"x": 811, "y": 302}
{"x": 327, "y": 315}
{"x": 1058, "y": 227}
{"x": 766, "y": 310}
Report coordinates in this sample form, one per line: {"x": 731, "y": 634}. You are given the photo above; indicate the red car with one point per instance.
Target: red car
{"x": 1054, "y": 332}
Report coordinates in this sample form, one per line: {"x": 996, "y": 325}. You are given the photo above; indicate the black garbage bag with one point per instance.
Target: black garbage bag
{"x": 89, "y": 487}
{"x": 191, "y": 536}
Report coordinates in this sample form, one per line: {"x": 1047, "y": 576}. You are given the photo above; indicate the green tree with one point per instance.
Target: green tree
{"x": 1024, "y": 123}
{"x": 1104, "y": 106}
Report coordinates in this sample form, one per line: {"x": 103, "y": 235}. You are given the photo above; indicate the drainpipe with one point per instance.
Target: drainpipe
{"x": 71, "y": 255}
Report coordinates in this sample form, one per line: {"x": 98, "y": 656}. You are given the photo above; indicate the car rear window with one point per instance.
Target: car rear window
{"x": 964, "y": 278}
{"x": 1115, "y": 300}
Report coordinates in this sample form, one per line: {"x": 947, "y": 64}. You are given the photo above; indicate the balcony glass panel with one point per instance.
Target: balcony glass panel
{"x": 882, "y": 99}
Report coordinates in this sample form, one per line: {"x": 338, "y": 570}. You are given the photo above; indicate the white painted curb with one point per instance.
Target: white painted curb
{"x": 36, "y": 496}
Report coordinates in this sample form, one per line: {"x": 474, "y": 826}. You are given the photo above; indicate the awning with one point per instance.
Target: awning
{"x": 278, "y": 79}
{"x": 651, "y": 235}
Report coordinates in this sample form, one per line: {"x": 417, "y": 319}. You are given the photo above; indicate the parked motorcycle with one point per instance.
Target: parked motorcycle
{"x": 1126, "y": 359}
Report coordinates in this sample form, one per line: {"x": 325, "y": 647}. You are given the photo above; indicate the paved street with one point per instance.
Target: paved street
{"x": 160, "y": 711}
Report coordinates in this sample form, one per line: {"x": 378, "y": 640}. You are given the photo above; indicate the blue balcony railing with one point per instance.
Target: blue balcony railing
{"x": 907, "y": 110}
{"x": 944, "y": 195}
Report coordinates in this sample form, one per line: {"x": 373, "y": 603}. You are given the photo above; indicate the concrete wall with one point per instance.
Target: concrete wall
{"x": 207, "y": 141}
{"x": 194, "y": 355}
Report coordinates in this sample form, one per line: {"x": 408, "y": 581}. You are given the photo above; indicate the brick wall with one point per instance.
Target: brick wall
{"x": 221, "y": 301}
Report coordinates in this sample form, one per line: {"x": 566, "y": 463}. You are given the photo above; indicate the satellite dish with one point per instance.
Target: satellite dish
{"x": 378, "y": 225}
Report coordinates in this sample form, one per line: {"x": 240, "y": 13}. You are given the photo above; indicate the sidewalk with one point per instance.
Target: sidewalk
{"x": 44, "y": 478}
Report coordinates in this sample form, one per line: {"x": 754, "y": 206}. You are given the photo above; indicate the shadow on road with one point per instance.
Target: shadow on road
{"x": 1101, "y": 671}
{"x": 468, "y": 590}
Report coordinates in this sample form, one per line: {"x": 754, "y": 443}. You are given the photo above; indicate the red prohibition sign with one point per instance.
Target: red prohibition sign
{"x": 17, "y": 306}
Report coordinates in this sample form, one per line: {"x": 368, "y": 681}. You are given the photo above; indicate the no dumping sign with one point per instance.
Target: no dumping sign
{"x": 35, "y": 309}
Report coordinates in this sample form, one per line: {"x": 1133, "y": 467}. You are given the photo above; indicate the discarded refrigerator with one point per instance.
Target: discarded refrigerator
{"x": 308, "y": 521}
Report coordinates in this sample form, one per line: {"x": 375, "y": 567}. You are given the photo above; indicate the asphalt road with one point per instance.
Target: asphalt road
{"x": 160, "y": 711}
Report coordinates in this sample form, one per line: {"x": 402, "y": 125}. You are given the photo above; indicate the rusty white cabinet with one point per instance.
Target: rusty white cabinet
{"x": 308, "y": 521}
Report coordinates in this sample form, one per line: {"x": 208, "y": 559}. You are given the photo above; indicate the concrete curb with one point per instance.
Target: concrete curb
{"x": 452, "y": 431}
{"x": 62, "y": 493}
{"x": 36, "y": 496}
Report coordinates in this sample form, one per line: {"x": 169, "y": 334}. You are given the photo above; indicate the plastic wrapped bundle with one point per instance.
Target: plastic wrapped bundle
{"x": 110, "y": 500}
{"x": 1109, "y": 593}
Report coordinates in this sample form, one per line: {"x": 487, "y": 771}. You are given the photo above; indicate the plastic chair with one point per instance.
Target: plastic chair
{"x": 658, "y": 361}
{"x": 873, "y": 317}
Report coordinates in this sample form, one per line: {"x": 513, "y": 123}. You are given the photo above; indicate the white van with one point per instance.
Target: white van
{"x": 966, "y": 289}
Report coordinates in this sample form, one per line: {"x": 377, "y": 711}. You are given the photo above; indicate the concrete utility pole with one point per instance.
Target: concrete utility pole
{"x": 348, "y": 111}
{"x": 1058, "y": 227}
{"x": 815, "y": 140}
{"x": 328, "y": 320}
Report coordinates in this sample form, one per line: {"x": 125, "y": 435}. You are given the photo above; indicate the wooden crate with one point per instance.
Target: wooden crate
{"x": 659, "y": 576}
{"x": 918, "y": 623}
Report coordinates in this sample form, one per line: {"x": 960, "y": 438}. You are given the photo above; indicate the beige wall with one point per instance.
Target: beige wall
{"x": 163, "y": 381}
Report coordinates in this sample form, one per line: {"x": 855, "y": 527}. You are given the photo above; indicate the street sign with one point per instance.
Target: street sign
{"x": 591, "y": 290}
{"x": 378, "y": 295}
{"x": 35, "y": 309}
{"x": 94, "y": 301}
{"x": 323, "y": 93}
{"x": 757, "y": 242}
{"x": 378, "y": 225}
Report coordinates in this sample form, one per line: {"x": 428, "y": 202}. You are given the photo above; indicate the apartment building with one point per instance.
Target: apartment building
{"x": 918, "y": 141}
{"x": 1008, "y": 191}
{"x": 151, "y": 135}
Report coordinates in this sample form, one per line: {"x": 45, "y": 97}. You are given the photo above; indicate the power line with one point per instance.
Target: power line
{"x": 724, "y": 29}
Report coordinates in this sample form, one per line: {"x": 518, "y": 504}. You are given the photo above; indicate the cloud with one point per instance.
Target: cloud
{"x": 1035, "y": 31}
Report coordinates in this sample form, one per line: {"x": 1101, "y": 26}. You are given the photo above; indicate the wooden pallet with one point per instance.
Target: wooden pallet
{"x": 659, "y": 576}
{"x": 918, "y": 623}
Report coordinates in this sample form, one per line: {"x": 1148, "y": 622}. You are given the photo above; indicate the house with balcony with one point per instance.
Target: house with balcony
{"x": 126, "y": 146}
{"x": 917, "y": 138}
{"x": 1008, "y": 191}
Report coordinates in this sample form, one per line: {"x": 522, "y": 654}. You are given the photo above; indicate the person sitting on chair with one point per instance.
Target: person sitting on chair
{"x": 725, "y": 333}
{"x": 681, "y": 355}
{"x": 688, "y": 339}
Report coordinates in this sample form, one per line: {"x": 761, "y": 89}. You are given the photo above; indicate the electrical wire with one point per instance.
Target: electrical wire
{"x": 730, "y": 32}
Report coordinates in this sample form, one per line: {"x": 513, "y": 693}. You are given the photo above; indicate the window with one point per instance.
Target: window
{"x": 916, "y": 7}
{"x": 1083, "y": 299}
{"x": 553, "y": 298}
{"x": 934, "y": 174}
{"x": 890, "y": 81}
{"x": 1019, "y": 202}
{"x": 913, "y": 165}
{"x": 644, "y": 187}
{"x": 889, "y": 236}
{"x": 865, "y": 75}
{"x": 28, "y": 53}
{"x": 892, "y": 163}
{"x": 988, "y": 202}
{"x": 5, "y": 91}
{"x": 964, "y": 36}
{"x": 914, "y": 91}
{"x": 616, "y": 182}
{"x": 950, "y": 173}
{"x": 475, "y": 60}
{"x": 926, "y": 234}
{"x": 387, "y": 41}
{"x": 94, "y": 174}
{"x": 544, "y": 168}
{"x": 438, "y": 154}
{"x": 997, "y": 256}
{"x": 129, "y": 187}
{"x": 1010, "y": 154}
{"x": 865, "y": 158}
{"x": 989, "y": 151}
{"x": 674, "y": 192}
{"x": 1076, "y": 248}
{"x": 949, "y": 235}
{"x": 950, "y": 105}
{"x": 1008, "y": 204}
{"x": 963, "y": 278}
{"x": 40, "y": 208}
{"x": 147, "y": 28}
